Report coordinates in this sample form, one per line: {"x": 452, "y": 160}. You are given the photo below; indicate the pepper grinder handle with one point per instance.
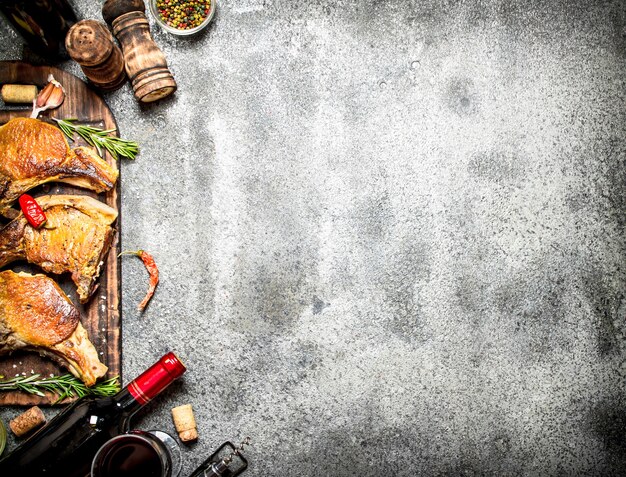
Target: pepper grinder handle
{"x": 145, "y": 63}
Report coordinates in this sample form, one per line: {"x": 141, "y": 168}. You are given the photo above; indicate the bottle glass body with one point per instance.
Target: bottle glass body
{"x": 43, "y": 24}
{"x": 66, "y": 446}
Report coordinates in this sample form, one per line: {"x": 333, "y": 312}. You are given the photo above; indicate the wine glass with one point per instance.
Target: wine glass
{"x": 147, "y": 453}
{"x": 173, "y": 450}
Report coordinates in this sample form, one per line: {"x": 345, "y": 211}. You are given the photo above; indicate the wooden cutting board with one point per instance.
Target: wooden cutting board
{"x": 101, "y": 315}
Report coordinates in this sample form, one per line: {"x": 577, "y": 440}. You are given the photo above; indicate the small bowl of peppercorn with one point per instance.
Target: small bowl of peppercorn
{"x": 183, "y": 17}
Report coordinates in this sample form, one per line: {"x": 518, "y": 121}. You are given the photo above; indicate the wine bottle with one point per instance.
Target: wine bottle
{"x": 67, "y": 445}
{"x": 43, "y": 24}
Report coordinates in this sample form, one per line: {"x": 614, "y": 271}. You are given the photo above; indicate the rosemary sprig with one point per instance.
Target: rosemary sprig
{"x": 99, "y": 138}
{"x": 65, "y": 386}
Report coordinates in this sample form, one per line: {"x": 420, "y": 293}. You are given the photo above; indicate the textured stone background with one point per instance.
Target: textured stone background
{"x": 390, "y": 233}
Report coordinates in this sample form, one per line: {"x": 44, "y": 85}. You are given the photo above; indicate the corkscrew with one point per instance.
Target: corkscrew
{"x": 226, "y": 461}
{"x": 237, "y": 452}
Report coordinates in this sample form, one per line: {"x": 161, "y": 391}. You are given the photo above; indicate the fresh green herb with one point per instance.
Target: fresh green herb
{"x": 64, "y": 386}
{"x": 99, "y": 138}
{"x": 3, "y": 437}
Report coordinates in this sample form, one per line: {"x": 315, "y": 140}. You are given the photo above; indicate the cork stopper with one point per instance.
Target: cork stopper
{"x": 185, "y": 423}
{"x": 18, "y": 93}
{"x": 27, "y": 421}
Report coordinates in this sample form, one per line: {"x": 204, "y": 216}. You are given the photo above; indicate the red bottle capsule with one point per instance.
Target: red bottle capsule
{"x": 32, "y": 211}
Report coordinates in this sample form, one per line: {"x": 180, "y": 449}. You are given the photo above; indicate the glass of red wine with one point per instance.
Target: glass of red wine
{"x": 144, "y": 453}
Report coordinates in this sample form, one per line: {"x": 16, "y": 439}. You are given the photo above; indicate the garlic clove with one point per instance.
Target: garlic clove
{"x": 50, "y": 97}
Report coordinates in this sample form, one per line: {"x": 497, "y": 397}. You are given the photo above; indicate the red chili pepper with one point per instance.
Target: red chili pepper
{"x": 32, "y": 211}
{"x": 153, "y": 271}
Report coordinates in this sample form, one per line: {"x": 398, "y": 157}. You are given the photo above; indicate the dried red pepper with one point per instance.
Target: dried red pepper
{"x": 32, "y": 211}
{"x": 153, "y": 271}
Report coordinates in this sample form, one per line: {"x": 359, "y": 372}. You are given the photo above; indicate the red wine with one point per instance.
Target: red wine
{"x": 66, "y": 446}
{"x": 132, "y": 455}
{"x": 42, "y": 23}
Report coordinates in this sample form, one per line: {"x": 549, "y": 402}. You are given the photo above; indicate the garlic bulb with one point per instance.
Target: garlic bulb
{"x": 50, "y": 97}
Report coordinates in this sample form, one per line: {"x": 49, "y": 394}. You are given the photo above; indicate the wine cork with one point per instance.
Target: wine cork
{"x": 185, "y": 423}
{"x": 27, "y": 421}
{"x": 18, "y": 93}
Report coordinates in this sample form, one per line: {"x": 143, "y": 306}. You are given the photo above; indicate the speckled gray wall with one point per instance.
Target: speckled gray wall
{"x": 390, "y": 233}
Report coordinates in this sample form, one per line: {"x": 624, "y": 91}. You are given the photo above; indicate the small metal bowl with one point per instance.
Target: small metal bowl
{"x": 178, "y": 31}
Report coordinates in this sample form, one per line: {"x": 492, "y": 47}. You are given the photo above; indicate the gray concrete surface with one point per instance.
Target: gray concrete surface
{"x": 390, "y": 233}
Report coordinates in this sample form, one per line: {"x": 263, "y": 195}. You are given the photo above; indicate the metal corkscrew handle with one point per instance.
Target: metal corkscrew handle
{"x": 219, "y": 467}
{"x": 229, "y": 458}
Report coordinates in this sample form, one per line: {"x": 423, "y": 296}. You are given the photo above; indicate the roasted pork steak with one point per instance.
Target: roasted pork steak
{"x": 75, "y": 238}
{"x": 36, "y": 315}
{"x": 33, "y": 152}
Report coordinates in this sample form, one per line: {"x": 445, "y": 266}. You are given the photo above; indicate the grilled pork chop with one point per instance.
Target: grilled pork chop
{"x": 75, "y": 238}
{"x": 36, "y": 315}
{"x": 33, "y": 152}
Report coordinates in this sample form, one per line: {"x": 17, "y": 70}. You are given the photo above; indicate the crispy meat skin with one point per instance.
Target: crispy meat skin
{"x": 36, "y": 315}
{"x": 33, "y": 152}
{"x": 77, "y": 241}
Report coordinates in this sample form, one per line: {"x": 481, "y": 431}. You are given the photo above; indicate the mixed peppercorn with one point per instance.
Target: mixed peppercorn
{"x": 183, "y": 14}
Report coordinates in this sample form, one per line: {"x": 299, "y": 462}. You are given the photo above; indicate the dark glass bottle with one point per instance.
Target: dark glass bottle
{"x": 67, "y": 445}
{"x": 42, "y": 23}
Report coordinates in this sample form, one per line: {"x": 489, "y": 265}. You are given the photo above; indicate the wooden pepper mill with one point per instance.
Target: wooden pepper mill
{"x": 91, "y": 45}
{"x": 145, "y": 62}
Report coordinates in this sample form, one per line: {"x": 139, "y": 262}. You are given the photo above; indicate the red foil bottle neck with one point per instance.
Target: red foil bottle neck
{"x": 156, "y": 378}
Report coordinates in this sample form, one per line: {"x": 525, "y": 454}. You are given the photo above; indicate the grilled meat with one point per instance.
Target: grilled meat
{"x": 36, "y": 315}
{"x": 33, "y": 152}
{"x": 76, "y": 239}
